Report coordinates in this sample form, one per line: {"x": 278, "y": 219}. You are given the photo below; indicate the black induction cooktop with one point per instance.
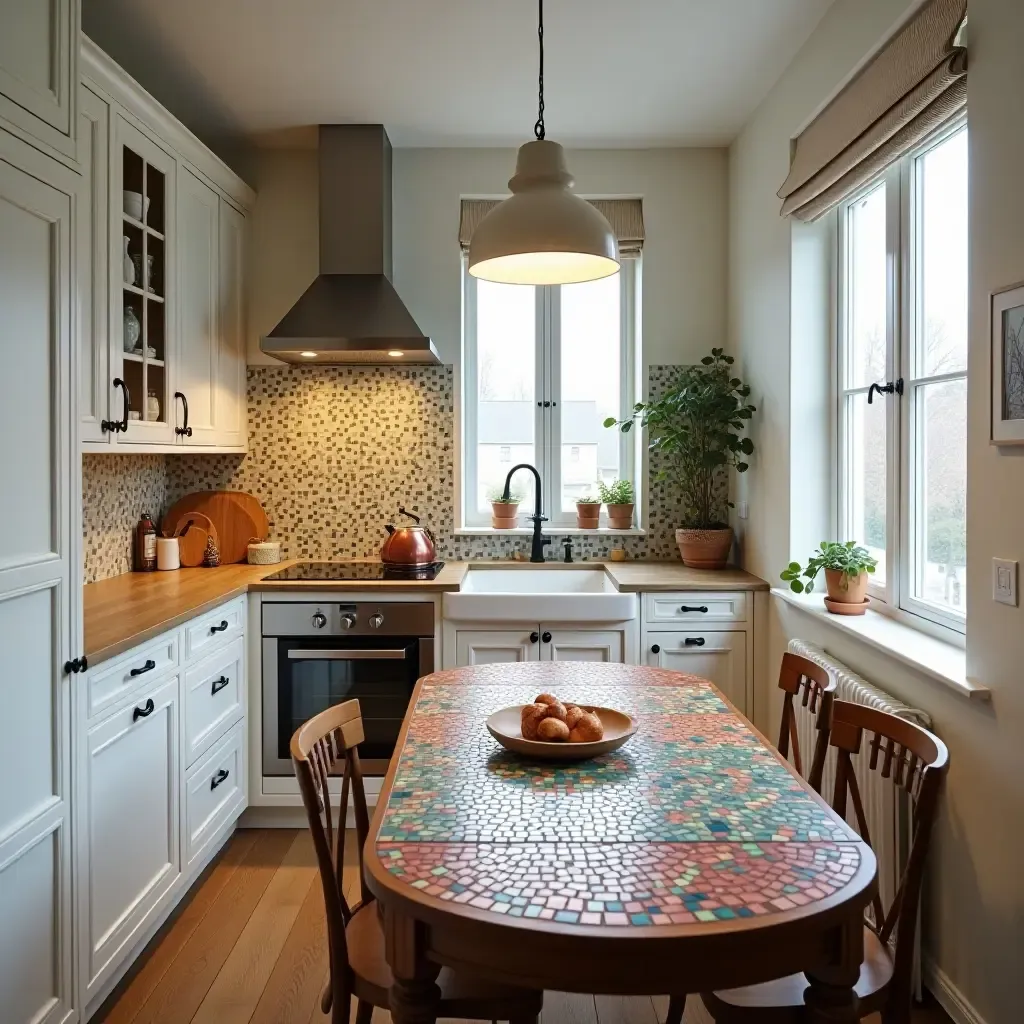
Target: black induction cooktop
{"x": 341, "y": 571}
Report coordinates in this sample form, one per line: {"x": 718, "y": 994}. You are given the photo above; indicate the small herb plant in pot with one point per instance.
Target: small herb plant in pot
{"x": 847, "y": 568}
{"x": 696, "y": 428}
{"x": 620, "y": 499}
{"x": 588, "y": 512}
{"x": 504, "y": 511}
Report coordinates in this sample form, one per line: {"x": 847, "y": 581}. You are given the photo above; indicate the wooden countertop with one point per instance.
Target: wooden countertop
{"x": 127, "y": 610}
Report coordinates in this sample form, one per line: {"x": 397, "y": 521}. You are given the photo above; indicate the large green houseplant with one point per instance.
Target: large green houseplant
{"x": 696, "y": 427}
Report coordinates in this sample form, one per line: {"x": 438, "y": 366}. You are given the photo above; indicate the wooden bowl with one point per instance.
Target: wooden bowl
{"x": 505, "y": 726}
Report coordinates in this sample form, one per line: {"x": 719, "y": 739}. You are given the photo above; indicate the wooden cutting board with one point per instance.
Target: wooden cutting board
{"x": 193, "y": 530}
{"x": 237, "y": 516}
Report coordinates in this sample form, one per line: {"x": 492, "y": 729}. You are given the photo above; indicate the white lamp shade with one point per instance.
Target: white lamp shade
{"x": 543, "y": 233}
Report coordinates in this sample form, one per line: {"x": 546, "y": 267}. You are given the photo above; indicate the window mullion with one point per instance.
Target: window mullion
{"x": 469, "y": 398}
{"x": 893, "y": 331}
{"x": 908, "y": 328}
{"x": 553, "y": 393}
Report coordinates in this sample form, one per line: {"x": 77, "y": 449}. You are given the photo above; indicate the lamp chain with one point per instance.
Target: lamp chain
{"x": 538, "y": 128}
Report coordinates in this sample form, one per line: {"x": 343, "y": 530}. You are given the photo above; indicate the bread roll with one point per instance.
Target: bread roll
{"x": 545, "y": 698}
{"x": 552, "y": 730}
{"x": 587, "y": 730}
{"x": 556, "y": 709}
{"x": 531, "y": 716}
{"x": 573, "y": 714}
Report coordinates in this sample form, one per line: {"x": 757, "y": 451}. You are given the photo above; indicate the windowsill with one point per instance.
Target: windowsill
{"x": 944, "y": 662}
{"x": 549, "y": 528}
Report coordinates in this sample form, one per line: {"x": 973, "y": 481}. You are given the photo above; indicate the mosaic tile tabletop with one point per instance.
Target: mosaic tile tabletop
{"x": 693, "y": 820}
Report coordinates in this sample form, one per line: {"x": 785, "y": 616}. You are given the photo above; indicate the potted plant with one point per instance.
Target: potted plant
{"x": 504, "y": 511}
{"x": 619, "y": 498}
{"x": 588, "y": 512}
{"x": 695, "y": 427}
{"x": 847, "y": 569}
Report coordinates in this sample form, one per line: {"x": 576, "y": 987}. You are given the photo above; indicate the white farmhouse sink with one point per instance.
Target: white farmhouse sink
{"x": 539, "y": 595}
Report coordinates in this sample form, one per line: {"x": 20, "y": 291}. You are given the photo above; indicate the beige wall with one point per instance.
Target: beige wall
{"x": 974, "y": 930}
{"x": 685, "y": 195}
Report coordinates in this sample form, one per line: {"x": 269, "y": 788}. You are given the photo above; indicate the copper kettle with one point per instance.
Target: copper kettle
{"x": 408, "y": 545}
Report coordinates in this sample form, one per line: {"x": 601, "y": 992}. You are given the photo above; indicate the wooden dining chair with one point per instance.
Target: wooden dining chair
{"x": 355, "y": 938}
{"x": 816, "y": 688}
{"x": 908, "y": 756}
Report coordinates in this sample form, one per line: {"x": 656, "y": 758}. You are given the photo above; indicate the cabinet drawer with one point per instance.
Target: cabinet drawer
{"x": 720, "y": 657}
{"x": 214, "y": 792}
{"x": 694, "y": 610}
{"x": 213, "y": 697}
{"x": 141, "y": 666}
{"x": 214, "y": 629}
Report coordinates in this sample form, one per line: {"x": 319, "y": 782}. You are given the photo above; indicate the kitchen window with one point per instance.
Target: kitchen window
{"x": 543, "y": 367}
{"x": 902, "y": 325}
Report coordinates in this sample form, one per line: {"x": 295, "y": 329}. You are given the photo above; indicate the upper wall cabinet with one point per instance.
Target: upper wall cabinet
{"x": 162, "y": 351}
{"x": 39, "y": 73}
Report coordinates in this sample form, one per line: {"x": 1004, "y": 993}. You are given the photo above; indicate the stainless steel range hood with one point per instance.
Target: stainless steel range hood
{"x": 351, "y": 312}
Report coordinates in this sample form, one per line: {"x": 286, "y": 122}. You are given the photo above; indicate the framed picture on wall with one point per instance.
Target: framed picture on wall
{"x": 1007, "y": 313}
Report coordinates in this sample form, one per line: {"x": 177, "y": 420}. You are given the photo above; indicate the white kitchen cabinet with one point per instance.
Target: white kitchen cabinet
{"x": 214, "y": 794}
{"x": 181, "y": 290}
{"x": 38, "y": 570}
{"x": 133, "y": 844}
{"x": 495, "y": 646}
{"x": 39, "y": 71}
{"x": 604, "y": 645}
{"x": 718, "y": 656}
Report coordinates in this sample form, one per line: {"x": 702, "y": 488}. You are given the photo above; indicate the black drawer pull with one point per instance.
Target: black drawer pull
{"x": 655, "y": 648}
{"x": 534, "y": 637}
{"x": 219, "y": 684}
{"x": 694, "y": 641}
{"x": 219, "y": 778}
{"x": 694, "y": 608}
{"x": 144, "y": 712}
{"x": 219, "y": 629}
{"x": 148, "y": 667}
{"x": 546, "y": 637}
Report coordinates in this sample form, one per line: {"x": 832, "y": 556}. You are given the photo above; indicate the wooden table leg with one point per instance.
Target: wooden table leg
{"x": 414, "y": 995}
{"x": 415, "y": 1000}
{"x": 831, "y": 998}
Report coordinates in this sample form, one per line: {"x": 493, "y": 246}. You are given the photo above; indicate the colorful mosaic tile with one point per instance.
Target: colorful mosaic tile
{"x": 693, "y": 820}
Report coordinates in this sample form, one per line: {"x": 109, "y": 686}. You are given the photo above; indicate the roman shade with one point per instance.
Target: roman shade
{"x": 915, "y": 83}
{"x": 626, "y": 217}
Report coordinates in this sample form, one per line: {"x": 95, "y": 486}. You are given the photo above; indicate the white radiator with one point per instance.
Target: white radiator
{"x": 887, "y": 807}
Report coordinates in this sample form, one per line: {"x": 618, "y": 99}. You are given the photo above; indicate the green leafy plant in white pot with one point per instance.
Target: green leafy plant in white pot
{"x": 504, "y": 511}
{"x": 588, "y": 512}
{"x": 696, "y": 426}
{"x": 621, "y": 500}
{"x": 847, "y": 567}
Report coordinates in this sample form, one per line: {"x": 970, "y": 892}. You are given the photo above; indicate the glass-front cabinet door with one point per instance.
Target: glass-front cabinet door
{"x": 143, "y": 294}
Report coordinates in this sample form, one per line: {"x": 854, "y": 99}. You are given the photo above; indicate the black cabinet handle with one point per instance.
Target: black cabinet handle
{"x": 694, "y": 641}
{"x": 118, "y": 426}
{"x": 148, "y": 667}
{"x": 144, "y": 712}
{"x": 219, "y": 629}
{"x": 546, "y": 637}
{"x": 655, "y": 648}
{"x": 185, "y": 430}
{"x": 219, "y": 684}
{"x": 219, "y": 778}
{"x": 694, "y": 608}
{"x": 534, "y": 637}
{"x": 76, "y": 665}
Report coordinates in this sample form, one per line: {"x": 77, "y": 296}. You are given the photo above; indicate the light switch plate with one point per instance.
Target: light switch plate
{"x": 1004, "y": 581}
{"x": 742, "y": 509}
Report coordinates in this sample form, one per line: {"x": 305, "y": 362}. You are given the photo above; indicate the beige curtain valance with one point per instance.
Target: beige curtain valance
{"x": 626, "y": 217}
{"x": 910, "y": 87}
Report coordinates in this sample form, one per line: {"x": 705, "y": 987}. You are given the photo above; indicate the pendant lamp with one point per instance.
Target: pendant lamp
{"x": 543, "y": 233}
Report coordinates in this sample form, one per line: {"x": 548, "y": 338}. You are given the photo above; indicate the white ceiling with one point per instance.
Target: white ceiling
{"x": 459, "y": 72}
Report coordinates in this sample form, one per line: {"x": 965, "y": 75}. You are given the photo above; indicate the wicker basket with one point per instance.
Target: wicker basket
{"x": 264, "y": 552}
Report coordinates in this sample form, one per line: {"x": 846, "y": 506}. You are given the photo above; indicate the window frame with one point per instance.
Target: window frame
{"x": 904, "y": 482}
{"x": 547, "y": 388}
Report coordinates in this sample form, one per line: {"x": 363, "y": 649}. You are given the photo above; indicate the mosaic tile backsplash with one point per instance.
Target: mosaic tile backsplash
{"x": 333, "y": 452}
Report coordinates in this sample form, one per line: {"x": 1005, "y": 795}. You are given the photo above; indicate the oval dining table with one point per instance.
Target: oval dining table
{"x": 693, "y": 858}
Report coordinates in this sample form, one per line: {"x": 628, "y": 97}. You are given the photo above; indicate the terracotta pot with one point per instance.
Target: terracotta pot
{"x": 620, "y": 517}
{"x": 705, "y": 549}
{"x": 588, "y": 515}
{"x": 504, "y": 515}
{"x": 846, "y": 590}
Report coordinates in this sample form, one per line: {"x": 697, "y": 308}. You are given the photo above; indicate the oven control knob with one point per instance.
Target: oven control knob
{"x": 319, "y": 620}
{"x": 377, "y": 620}
{"x": 348, "y": 620}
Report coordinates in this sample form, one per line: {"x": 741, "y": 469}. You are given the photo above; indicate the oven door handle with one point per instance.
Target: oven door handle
{"x": 394, "y": 654}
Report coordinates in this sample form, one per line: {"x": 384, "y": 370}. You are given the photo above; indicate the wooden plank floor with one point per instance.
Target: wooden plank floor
{"x": 249, "y": 946}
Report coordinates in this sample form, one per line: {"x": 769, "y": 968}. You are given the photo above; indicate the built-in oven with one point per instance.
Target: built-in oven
{"x": 318, "y": 655}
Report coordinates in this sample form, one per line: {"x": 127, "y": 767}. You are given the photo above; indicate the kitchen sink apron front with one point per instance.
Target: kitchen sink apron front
{"x": 692, "y": 859}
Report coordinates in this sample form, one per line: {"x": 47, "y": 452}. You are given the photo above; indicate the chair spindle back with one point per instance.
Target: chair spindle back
{"x": 816, "y": 688}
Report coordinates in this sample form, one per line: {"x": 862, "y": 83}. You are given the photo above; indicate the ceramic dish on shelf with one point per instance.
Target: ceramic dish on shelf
{"x": 506, "y": 727}
{"x": 134, "y": 205}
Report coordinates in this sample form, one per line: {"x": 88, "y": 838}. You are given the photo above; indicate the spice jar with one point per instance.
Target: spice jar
{"x": 145, "y": 544}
